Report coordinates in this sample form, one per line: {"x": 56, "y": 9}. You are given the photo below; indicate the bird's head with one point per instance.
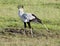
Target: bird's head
{"x": 20, "y": 6}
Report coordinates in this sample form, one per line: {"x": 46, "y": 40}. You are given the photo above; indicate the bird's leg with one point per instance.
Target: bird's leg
{"x": 31, "y": 32}
{"x": 30, "y": 28}
{"x": 24, "y": 31}
{"x": 24, "y": 28}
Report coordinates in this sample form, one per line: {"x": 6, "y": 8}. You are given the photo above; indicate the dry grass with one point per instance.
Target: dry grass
{"x": 19, "y": 40}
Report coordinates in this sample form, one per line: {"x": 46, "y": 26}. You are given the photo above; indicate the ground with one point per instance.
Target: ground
{"x": 46, "y": 10}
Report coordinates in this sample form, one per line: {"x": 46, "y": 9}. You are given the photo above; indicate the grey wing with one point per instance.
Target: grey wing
{"x": 24, "y": 16}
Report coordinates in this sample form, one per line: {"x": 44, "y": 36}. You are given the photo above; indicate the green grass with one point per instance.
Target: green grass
{"x": 48, "y": 13}
{"x": 47, "y": 10}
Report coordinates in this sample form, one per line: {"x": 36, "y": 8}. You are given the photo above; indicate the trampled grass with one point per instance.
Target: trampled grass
{"x": 24, "y": 41}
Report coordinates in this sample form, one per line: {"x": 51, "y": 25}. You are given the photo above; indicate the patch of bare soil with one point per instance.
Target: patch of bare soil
{"x": 27, "y": 32}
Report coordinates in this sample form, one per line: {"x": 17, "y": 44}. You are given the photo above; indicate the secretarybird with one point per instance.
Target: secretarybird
{"x": 27, "y": 18}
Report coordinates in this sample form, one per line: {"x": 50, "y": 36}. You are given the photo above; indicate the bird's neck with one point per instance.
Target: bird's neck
{"x": 21, "y": 11}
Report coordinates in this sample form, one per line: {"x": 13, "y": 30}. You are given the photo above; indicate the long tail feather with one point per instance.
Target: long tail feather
{"x": 40, "y": 21}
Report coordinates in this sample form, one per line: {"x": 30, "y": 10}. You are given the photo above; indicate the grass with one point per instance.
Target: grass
{"x": 47, "y": 10}
{"x": 9, "y": 15}
{"x": 17, "y": 40}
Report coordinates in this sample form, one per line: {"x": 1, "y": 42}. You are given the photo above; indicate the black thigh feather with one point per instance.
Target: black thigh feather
{"x": 36, "y": 19}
